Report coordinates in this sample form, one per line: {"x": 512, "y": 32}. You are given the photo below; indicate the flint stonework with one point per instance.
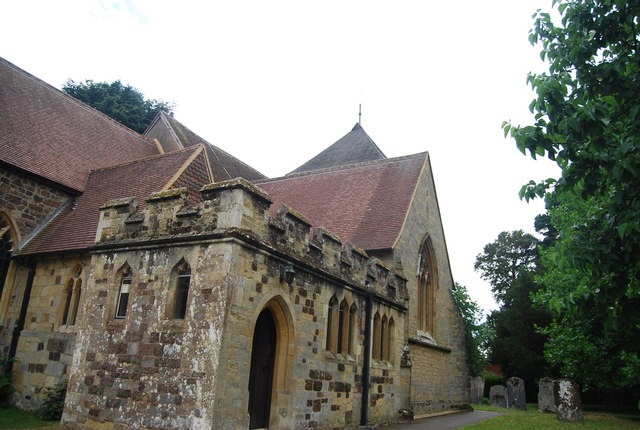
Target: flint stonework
{"x": 568, "y": 400}
{"x": 546, "y": 400}
{"x": 498, "y": 396}
{"x": 515, "y": 394}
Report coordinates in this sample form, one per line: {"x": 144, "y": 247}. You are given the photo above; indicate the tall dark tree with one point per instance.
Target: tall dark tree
{"x": 587, "y": 119}
{"x": 123, "y": 103}
{"x": 501, "y": 263}
{"x": 509, "y": 264}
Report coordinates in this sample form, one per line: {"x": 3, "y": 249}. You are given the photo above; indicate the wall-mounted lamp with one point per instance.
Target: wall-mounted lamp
{"x": 286, "y": 273}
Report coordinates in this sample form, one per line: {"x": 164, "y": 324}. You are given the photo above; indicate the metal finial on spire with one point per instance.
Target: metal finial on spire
{"x": 360, "y": 114}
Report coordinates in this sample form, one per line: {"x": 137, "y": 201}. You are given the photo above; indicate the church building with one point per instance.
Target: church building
{"x": 172, "y": 286}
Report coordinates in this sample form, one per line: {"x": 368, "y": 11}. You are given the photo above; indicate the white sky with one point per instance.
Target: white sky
{"x": 276, "y": 82}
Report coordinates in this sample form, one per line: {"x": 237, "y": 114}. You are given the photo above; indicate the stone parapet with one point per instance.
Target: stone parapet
{"x": 239, "y": 209}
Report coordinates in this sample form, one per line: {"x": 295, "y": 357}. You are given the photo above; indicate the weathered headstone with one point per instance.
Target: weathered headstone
{"x": 498, "y": 396}
{"x": 477, "y": 389}
{"x": 546, "y": 400}
{"x": 515, "y": 394}
{"x": 568, "y": 400}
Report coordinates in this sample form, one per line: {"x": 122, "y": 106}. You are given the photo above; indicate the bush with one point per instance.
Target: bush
{"x": 6, "y": 365}
{"x": 491, "y": 379}
{"x": 53, "y": 403}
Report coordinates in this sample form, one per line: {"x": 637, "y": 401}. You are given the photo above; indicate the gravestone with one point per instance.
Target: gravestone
{"x": 568, "y": 400}
{"x": 515, "y": 394}
{"x": 498, "y": 396}
{"x": 546, "y": 400}
{"x": 477, "y": 389}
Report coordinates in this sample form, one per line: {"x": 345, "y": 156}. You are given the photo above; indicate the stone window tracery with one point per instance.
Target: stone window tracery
{"x": 383, "y": 337}
{"x": 341, "y": 326}
{"x": 427, "y": 284}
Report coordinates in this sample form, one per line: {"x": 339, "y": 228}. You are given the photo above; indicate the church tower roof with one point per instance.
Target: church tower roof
{"x": 354, "y": 147}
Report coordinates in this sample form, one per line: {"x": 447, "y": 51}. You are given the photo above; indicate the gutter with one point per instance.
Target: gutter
{"x": 366, "y": 367}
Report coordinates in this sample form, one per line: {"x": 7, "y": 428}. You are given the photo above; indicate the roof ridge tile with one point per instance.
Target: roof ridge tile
{"x": 339, "y": 168}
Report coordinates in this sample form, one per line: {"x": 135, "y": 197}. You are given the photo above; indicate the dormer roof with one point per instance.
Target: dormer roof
{"x": 173, "y": 135}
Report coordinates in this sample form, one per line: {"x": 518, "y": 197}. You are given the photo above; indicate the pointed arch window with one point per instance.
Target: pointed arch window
{"x": 352, "y": 329}
{"x": 8, "y": 242}
{"x": 377, "y": 330}
{"x": 427, "y": 284}
{"x": 391, "y": 340}
{"x": 72, "y": 292}
{"x": 341, "y": 326}
{"x": 384, "y": 338}
{"x": 180, "y": 281}
{"x": 123, "y": 294}
{"x": 332, "y": 325}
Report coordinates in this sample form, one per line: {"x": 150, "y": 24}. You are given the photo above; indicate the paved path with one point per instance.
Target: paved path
{"x": 447, "y": 422}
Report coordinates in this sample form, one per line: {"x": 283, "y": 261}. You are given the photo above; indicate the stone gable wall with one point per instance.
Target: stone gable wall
{"x": 439, "y": 374}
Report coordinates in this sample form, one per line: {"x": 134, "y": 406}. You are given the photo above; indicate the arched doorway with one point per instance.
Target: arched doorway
{"x": 263, "y": 354}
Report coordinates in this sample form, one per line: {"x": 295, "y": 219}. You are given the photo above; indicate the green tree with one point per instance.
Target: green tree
{"x": 505, "y": 259}
{"x": 123, "y": 103}
{"x": 587, "y": 119}
{"x": 579, "y": 346}
{"x": 509, "y": 264}
{"x": 477, "y": 333}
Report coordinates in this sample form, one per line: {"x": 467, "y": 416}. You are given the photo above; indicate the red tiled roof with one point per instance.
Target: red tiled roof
{"x": 46, "y": 132}
{"x": 75, "y": 228}
{"x": 364, "y": 204}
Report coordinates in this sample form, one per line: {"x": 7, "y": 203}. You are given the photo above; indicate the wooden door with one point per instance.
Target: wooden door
{"x": 263, "y": 355}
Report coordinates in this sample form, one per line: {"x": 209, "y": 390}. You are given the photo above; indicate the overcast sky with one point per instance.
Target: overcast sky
{"x": 276, "y": 82}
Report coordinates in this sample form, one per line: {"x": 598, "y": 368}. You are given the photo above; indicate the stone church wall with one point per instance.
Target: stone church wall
{"x": 439, "y": 373}
{"x": 148, "y": 370}
{"x": 27, "y": 201}
{"x": 45, "y": 348}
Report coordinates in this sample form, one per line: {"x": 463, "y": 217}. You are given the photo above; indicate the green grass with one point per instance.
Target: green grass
{"x": 532, "y": 419}
{"x": 12, "y": 418}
